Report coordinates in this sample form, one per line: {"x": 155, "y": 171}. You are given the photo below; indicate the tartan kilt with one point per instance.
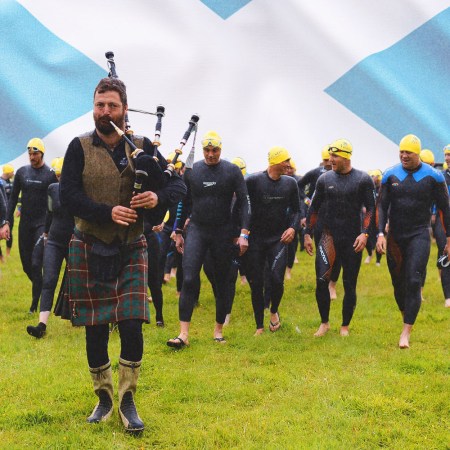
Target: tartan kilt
{"x": 94, "y": 302}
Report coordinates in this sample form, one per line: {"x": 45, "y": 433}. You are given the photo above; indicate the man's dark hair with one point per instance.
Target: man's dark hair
{"x": 112, "y": 84}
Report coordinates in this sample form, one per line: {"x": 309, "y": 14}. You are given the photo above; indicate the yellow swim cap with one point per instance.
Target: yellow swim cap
{"x": 8, "y": 168}
{"x": 447, "y": 149}
{"x": 240, "y": 163}
{"x": 410, "y": 143}
{"x": 277, "y": 155}
{"x": 211, "y": 138}
{"x": 36, "y": 145}
{"x": 376, "y": 173}
{"x": 325, "y": 152}
{"x": 341, "y": 147}
{"x": 58, "y": 166}
{"x": 445, "y": 166}
{"x": 427, "y": 156}
{"x": 169, "y": 159}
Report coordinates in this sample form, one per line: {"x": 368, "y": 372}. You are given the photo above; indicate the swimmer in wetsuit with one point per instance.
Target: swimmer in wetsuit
{"x": 337, "y": 202}
{"x": 211, "y": 185}
{"x": 408, "y": 191}
{"x": 275, "y": 221}
{"x": 32, "y": 182}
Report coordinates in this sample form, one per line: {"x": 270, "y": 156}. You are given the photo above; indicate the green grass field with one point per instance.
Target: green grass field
{"x": 279, "y": 390}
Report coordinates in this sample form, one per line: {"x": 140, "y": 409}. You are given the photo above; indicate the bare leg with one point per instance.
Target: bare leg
{"x": 184, "y": 334}
{"x": 288, "y": 273}
{"x": 323, "y": 329}
{"x": 259, "y": 331}
{"x": 404, "y": 337}
{"x": 332, "y": 289}
{"x": 218, "y": 333}
{"x": 43, "y": 316}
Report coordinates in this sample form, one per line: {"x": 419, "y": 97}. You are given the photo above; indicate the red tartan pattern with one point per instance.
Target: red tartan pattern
{"x": 93, "y": 302}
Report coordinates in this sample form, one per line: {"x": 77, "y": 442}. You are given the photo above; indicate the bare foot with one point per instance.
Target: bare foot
{"x": 332, "y": 289}
{"x": 243, "y": 280}
{"x": 447, "y": 303}
{"x": 344, "y": 331}
{"x": 323, "y": 329}
{"x": 288, "y": 274}
{"x": 404, "y": 337}
{"x": 259, "y": 332}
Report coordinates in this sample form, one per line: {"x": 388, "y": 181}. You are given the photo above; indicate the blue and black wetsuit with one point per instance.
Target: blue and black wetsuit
{"x": 275, "y": 208}
{"x": 336, "y": 205}
{"x": 406, "y": 199}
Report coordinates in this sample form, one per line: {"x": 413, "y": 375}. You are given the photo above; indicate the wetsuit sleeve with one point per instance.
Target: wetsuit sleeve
{"x": 13, "y": 199}
{"x": 316, "y": 202}
{"x": 242, "y": 200}
{"x": 295, "y": 206}
{"x": 185, "y": 207}
{"x": 306, "y": 179}
{"x": 383, "y": 206}
{"x": 3, "y": 203}
{"x": 368, "y": 194}
{"x": 442, "y": 203}
{"x": 49, "y": 214}
{"x": 73, "y": 196}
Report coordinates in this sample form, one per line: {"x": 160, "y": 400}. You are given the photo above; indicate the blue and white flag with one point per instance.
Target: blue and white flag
{"x": 261, "y": 73}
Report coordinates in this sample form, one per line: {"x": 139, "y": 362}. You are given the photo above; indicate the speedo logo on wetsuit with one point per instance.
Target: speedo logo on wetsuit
{"x": 268, "y": 198}
{"x": 33, "y": 181}
{"x": 209, "y": 183}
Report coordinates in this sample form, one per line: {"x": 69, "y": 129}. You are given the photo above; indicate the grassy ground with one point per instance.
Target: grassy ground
{"x": 281, "y": 390}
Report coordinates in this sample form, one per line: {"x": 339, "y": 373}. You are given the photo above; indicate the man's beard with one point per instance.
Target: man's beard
{"x": 102, "y": 124}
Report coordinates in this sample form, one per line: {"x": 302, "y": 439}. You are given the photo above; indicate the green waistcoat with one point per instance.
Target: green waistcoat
{"x": 104, "y": 183}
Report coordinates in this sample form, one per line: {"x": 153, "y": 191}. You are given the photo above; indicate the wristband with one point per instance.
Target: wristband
{"x": 245, "y": 236}
{"x": 380, "y": 235}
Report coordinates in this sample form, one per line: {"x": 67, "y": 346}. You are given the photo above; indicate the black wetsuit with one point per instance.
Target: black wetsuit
{"x": 275, "y": 208}
{"x": 439, "y": 235}
{"x": 336, "y": 205}
{"x": 59, "y": 228}
{"x": 372, "y": 239}
{"x": 210, "y": 193}
{"x": 7, "y": 187}
{"x": 307, "y": 185}
{"x": 32, "y": 184}
{"x": 406, "y": 199}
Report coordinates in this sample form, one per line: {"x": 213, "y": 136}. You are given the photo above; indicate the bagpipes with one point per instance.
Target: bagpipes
{"x": 148, "y": 172}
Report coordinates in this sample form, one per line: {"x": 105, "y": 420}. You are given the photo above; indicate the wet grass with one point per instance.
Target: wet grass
{"x": 280, "y": 390}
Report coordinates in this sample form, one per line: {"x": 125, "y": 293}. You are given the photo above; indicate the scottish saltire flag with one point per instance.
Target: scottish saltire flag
{"x": 45, "y": 82}
{"x": 261, "y": 73}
